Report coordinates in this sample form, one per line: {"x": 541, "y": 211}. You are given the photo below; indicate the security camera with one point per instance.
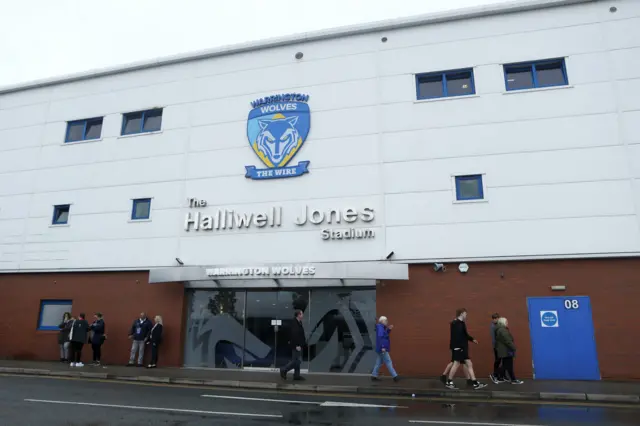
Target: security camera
{"x": 180, "y": 262}
{"x": 439, "y": 267}
{"x": 390, "y": 255}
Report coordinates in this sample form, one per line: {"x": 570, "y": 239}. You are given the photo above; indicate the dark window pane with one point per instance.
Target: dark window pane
{"x": 459, "y": 84}
{"x": 550, "y": 74}
{"x": 430, "y": 87}
{"x": 94, "y": 129}
{"x": 74, "y": 133}
{"x": 152, "y": 121}
{"x": 132, "y": 123}
{"x": 469, "y": 188}
{"x": 60, "y": 215}
{"x": 141, "y": 209}
{"x": 519, "y": 78}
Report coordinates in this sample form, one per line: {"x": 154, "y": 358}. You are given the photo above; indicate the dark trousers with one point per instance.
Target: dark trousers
{"x": 507, "y": 367}
{"x": 154, "y": 353}
{"x": 497, "y": 372}
{"x": 76, "y": 351}
{"x": 294, "y": 364}
{"x": 97, "y": 352}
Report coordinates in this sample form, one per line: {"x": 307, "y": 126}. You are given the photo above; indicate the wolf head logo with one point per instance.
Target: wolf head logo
{"x": 278, "y": 139}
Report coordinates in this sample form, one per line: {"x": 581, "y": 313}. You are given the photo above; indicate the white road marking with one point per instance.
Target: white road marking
{"x": 289, "y": 401}
{"x": 355, "y": 404}
{"x": 284, "y": 401}
{"x": 169, "y": 410}
{"x": 435, "y": 422}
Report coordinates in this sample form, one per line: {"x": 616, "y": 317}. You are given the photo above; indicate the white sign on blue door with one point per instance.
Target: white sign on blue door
{"x": 549, "y": 318}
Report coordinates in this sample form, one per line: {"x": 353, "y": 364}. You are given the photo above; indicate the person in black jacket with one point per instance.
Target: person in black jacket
{"x": 139, "y": 332}
{"x": 297, "y": 342}
{"x": 78, "y": 333}
{"x": 459, "y": 345}
{"x": 97, "y": 339}
{"x": 154, "y": 340}
{"x": 63, "y": 337}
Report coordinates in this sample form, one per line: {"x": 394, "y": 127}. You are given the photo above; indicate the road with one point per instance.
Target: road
{"x": 68, "y": 402}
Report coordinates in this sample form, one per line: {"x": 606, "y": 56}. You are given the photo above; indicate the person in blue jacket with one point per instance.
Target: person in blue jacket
{"x": 383, "y": 347}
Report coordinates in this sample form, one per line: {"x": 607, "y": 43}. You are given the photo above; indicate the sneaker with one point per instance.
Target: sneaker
{"x": 73, "y": 364}
{"x": 470, "y": 383}
{"x": 478, "y": 385}
{"x": 396, "y": 378}
{"x": 130, "y": 364}
{"x": 494, "y": 379}
{"x": 375, "y": 379}
{"x": 517, "y": 382}
{"x": 299, "y": 379}
{"x": 450, "y": 385}
{"x": 443, "y": 379}
{"x": 79, "y": 364}
{"x": 283, "y": 375}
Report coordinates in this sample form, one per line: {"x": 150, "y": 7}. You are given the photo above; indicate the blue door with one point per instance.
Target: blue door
{"x": 562, "y": 338}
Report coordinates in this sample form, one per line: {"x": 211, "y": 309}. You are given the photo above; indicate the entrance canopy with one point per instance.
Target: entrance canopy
{"x": 339, "y": 274}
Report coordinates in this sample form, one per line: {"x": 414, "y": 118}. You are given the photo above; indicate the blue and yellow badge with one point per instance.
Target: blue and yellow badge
{"x": 277, "y": 128}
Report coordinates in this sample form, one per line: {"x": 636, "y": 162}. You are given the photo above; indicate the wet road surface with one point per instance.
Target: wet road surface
{"x": 57, "y": 402}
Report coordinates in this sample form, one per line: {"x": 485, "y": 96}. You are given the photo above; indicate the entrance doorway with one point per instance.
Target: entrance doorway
{"x": 231, "y": 328}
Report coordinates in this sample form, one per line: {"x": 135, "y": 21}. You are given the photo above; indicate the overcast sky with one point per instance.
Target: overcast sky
{"x": 45, "y": 38}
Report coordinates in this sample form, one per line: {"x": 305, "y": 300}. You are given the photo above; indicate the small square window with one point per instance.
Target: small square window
{"x": 469, "y": 187}
{"x": 51, "y": 313}
{"x": 61, "y": 214}
{"x": 84, "y": 130}
{"x": 142, "y": 122}
{"x": 445, "y": 84}
{"x": 533, "y": 75}
{"x": 141, "y": 209}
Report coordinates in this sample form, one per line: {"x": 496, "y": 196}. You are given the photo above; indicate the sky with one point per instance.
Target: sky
{"x": 47, "y": 38}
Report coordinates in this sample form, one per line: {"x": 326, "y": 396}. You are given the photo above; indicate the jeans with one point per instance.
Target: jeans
{"x": 496, "y": 365}
{"x": 294, "y": 364}
{"x": 64, "y": 350}
{"x": 507, "y": 366}
{"x": 383, "y": 357}
{"x": 97, "y": 352}
{"x": 137, "y": 346}
{"x": 154, "y": 353}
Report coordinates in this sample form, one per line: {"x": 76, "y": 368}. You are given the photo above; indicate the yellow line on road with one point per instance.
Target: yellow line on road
{"x": 340, "y": 395}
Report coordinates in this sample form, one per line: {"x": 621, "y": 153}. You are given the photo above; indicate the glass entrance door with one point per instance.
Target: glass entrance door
{"x": 268, "y": 318}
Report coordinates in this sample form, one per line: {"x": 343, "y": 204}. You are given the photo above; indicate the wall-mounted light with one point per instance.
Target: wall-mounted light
{"x": 299, "y": 55}
{"x": 463, "y": 267}
{"x": 439, "y": 267}
{"x": 180, "y": 262}
{"x": 558, "y": 287}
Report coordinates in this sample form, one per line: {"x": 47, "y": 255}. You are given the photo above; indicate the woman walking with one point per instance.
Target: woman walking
{"x": 506, "y": 350}
{"x": 63, "y": 337}
{"x": 98, "y": 337}
{"x": 154, "y": 339}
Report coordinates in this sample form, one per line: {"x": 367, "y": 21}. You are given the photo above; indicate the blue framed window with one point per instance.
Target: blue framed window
{"x": 61, "y": 214}
{"x": 51, "y": 312}
{"x": 141, "y": 209}
{"x": 535, "y": 75}
{"x": 445, "y": 84}
{"x": 469, "y": 187}
{"x": 84, "y": 130}
{"x": 142, "y": 122}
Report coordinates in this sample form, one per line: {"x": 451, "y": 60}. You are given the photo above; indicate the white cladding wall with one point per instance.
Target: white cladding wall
{"x": 562, "y": 166}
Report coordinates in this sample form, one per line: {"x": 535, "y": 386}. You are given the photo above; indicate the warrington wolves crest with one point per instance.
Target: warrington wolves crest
{"x": 277, "y": 128}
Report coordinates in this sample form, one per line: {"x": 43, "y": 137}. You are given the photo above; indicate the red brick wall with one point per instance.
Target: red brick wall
{"x": 422, "y": 307}
{"x": 120, "y": 296}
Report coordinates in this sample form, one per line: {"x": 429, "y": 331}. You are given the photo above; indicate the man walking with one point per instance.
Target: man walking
{"x": 383, "y": 346}
{"x": 138, "y": 334}
{"x": 495, "y": 376}
{"x": 459, "y": 344}
{"x": 297, "y": 342}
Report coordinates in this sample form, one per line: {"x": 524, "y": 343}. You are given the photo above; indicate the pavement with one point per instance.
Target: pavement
{"x": 605, "y": 392}
{"x": 58, "y": 401}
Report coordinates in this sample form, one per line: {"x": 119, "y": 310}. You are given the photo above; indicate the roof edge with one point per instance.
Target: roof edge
{"x": 373, "y": 27}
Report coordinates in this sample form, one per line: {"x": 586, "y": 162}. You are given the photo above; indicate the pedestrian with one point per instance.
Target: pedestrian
{"x": 78, "y": 333}
{"x": 506, "y": 350}
{"x": 459, "y": 345}
{"x": 63, "y": 337}
{"x": 297, "y": 342}
{"x": 447, "y": 369}
{"x": 496, "y": 375}
{"x": 154, "y": 340}
{"x": 138, "y": 334}
{"x": 383, "y": 347}
{"x": 98, "y": 337}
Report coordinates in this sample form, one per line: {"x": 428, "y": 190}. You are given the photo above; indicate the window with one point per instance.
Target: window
{"x": 469, "y": 187}
{"x": 445, "y": 84}
{"x": 141, "y": 209}
{"x": 534, "y": 75}
{"x": 51, "y": 312}
{"x": 61, "y": 214}
{"x": 84, "y": 130}
{"x": 142, "y": 122}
